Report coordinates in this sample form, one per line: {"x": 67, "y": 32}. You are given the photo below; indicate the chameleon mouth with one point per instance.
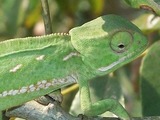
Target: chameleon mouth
{"x": 106, "y": 68}
{"x": 121, "y": 60}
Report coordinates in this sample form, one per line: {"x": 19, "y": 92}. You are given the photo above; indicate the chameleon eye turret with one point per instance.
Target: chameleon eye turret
{"x": 121, "y": 41}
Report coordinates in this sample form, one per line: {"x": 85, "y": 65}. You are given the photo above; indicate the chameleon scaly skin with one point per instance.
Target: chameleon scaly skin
{"x": 35, "y": 66}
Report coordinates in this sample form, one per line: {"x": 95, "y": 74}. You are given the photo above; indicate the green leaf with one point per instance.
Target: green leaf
{"x": 150, "y": 81}
{"x": 9, "y": 13}
{"x": 147, "y": 22}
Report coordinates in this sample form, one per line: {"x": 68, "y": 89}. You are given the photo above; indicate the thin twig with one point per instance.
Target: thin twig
{"x": 35, "y": 111}
{"x": 46, "y": 17}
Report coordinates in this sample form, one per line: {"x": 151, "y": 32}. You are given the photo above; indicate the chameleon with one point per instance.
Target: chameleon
{"x": 152, "y": 5}
{"x": 35, "y": 66}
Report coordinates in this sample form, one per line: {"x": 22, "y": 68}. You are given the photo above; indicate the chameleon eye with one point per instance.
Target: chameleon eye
{"x": 121, "y": 41}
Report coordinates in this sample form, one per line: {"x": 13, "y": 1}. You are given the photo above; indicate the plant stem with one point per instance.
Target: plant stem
{"x": 46, "y": 17}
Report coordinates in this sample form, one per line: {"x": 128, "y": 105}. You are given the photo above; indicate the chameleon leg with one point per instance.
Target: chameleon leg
{"x": 93, "y": 109}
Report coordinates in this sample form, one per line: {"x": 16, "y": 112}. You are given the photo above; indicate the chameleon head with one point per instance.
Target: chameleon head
{"x": 108, "y": 42}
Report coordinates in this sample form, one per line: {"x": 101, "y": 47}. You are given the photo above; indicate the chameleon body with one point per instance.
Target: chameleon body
{"x": 152, "y": 5}
{"x": 35, "y": 66}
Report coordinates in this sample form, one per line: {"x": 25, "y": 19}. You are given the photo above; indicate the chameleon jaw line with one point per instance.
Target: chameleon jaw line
{"x": 106, "y": 68}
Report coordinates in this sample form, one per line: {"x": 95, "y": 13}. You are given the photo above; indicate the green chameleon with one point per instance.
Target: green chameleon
{"x": 34, "y": 66}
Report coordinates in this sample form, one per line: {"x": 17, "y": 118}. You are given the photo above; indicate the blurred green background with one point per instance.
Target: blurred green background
{"x": 20, "y": 18}
{"x": 23, "y": 18}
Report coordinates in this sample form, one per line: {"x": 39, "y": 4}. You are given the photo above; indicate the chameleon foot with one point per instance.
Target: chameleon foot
{"x": 50, "y": 98}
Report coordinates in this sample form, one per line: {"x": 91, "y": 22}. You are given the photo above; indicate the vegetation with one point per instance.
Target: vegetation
{"x": 136, "y": 85}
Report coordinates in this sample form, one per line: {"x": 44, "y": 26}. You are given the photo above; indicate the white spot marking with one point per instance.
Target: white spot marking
{"x": 37, "y": 88}
{"x": 41, "y": 86}
{"x": 4, "y": 93}
{"x": 38, "y": 83}
{"x": 48, "y": 84}
{"x": 23, "y": 90}
{"x": 41, "y": 57}
{"x": 44, "y": 84}
{"x": 70, "y": 55}
{"x": 16, "y": 68}
{"x": 10, "y": 92}
{"x": 44, "y": 81}
{"x": 15, "y": 92}
{"x": 31, "y": 88}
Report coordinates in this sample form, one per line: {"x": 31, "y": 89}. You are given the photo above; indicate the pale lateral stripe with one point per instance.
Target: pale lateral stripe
{"x": 32, "y": 88}
{"x": 23, "y": 90}
{"x": 15, "y": 92}
{"x": 10, "y": 92}
{"x": 4, "y": 93}
{"x": 44, "y": 84}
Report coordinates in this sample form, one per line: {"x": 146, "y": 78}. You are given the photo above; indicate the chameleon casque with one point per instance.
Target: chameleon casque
{"x": 34, "y": 66}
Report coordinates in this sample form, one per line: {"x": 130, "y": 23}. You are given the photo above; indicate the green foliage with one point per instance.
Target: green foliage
{"x": 17, "y": 17}
{"x": 150, "y": 81}
{"x": 20, "y": 18}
